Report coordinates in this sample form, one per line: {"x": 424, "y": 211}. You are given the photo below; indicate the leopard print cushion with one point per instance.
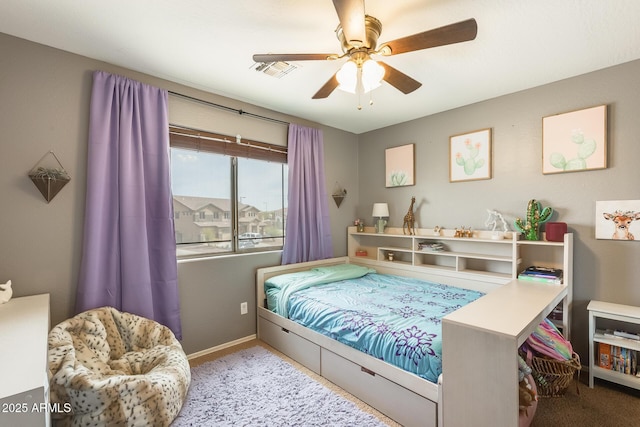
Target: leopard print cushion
{"x": 116, "y": 369}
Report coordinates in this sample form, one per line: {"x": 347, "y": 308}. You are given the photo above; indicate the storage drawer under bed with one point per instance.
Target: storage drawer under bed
{"x": 398, "y": 403}
{"x": 299, "y": 349}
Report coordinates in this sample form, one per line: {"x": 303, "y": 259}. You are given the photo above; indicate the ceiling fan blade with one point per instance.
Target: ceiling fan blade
{"x": 399, "y": 80}
{"x": 351, "y": 16}
{"x": 275, "y": 57}
{"x": 327, "y": 88}
{"x": 454, "y": 33}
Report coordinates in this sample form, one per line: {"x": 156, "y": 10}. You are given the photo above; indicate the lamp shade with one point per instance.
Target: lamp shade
{"x": 372, "y": 74}
{"x": 360, "y": 77}
{"x": 347, "y": 76}
{"x": 380, "y": 210}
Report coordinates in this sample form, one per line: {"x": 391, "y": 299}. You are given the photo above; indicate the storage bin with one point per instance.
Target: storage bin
{"x": 553, "y": 377}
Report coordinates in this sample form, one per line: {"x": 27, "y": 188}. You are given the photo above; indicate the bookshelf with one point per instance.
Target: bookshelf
{"x": 624, "y": 316}
{"x": 479, "y": 257}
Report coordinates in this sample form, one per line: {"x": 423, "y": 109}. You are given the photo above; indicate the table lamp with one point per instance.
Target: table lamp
{"x": 380, "y": 210}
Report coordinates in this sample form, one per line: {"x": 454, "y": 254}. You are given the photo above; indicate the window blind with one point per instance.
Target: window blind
{"x": 224, "y": 144}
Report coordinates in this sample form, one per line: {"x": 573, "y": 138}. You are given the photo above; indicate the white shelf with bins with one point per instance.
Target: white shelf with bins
{"x": 479, "y": 256}
{"x": 623, "y": 315}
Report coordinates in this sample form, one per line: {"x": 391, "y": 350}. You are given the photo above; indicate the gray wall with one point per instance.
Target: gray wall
{"x": 603, "y": 269}
{"x": 44, "y": 103}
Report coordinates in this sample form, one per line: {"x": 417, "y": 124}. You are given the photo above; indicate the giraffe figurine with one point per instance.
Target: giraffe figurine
{"x": 409, "y": 219}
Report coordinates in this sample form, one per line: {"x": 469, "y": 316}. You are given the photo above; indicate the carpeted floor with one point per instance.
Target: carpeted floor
{"x": 605, "y": 405}
{"x": 243, "y": 384}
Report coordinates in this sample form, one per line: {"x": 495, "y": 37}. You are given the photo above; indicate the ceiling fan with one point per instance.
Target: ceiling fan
{"x": 358, "y": 34}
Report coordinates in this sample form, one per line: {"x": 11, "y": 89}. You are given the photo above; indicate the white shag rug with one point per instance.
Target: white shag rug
{"x": 254, "y": 387}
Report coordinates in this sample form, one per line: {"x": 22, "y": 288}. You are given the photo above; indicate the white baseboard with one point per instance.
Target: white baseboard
{"x": 221, "y": 347}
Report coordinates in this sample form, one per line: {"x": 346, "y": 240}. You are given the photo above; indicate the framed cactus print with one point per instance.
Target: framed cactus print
{"x": 399, "y": 166}
{"x": 470, "y": 156}
{"x": 575, "y": 141}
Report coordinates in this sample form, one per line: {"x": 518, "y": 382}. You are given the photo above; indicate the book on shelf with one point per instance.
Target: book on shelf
{"x": 554, "y": 273}
{"x": 540, "y": 279}
{"x": 619, "y": 359}
{"x": 627, "y": 335}
{"x": 542, "y": 274}
{"x": 556, "y": 313}
{"x": 610, "y": 333}
{"x": 430, "y": 246}
{"x": 604, "y": 351}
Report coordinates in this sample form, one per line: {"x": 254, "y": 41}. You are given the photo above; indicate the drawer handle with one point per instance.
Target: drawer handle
{"x": 285, "y": 330}
{"x": 367, "y": 371}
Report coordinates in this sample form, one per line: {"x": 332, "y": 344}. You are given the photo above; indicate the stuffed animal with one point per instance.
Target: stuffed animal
{"x": 526, "y": 387}
{"x": 526, "y": 395}
{"x": 5, "y": 292}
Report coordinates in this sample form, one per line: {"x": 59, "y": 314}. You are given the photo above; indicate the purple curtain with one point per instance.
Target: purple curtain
{"x": 129, "y": 250}
{"x": 308, "y": 232}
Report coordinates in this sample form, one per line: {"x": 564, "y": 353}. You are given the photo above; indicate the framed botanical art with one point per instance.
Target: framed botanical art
{"x": 470, "y": 156}
{"x": 400, "y": 166}
{"x": 575, "y": 141}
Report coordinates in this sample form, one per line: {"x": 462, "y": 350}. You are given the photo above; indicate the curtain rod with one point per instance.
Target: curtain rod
{"x": 224, "y": 107}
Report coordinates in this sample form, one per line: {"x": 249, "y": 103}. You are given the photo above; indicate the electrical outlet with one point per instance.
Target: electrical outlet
{"x": 243, "y": 308}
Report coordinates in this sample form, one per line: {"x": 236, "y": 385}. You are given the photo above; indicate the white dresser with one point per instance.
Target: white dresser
{"x": 24, "y": 384}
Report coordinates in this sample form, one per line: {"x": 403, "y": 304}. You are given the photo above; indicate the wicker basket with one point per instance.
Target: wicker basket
{"x": 553, "y": 377}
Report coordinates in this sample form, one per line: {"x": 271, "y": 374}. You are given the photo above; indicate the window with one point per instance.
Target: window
{"x": 232, "y": 197}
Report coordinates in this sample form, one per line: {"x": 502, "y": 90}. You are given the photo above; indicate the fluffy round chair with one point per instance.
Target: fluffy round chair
{"x": 116, "y": 368}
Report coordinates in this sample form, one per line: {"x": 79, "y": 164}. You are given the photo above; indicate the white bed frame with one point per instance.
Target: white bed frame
{"x": 488, "y": 330}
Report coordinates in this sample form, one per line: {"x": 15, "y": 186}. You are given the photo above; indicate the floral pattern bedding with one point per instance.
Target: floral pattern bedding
{"x": 393, "y": 318}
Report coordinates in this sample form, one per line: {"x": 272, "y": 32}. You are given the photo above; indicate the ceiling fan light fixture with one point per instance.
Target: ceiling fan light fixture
{"x": 347, "y": 76}
{"x": 372, "y": 74}
{"x": 366, "y": 76}
{"x": 359, "y": 42}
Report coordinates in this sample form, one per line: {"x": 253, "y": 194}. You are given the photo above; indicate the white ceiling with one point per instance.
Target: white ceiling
{"x": 208, "y": 44}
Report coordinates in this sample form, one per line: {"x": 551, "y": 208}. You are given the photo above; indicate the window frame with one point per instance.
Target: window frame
{"x": 234, "y": 148}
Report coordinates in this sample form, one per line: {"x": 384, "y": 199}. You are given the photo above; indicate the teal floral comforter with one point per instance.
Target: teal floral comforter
{"x": 393, "y": 318}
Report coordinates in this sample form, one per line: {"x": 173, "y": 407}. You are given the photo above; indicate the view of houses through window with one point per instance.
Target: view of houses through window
{"x": 215, "y": 194}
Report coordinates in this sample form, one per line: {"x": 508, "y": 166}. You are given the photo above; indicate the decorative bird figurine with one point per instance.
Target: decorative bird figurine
{"x": 5, "y": 292}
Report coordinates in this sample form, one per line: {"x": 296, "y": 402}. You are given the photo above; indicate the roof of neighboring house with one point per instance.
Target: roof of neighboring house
{"x": 197, "y": 203}
{"x": 212, "y": 224}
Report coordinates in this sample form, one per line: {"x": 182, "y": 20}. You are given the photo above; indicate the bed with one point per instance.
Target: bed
{"x": 409, "y": 397}
{"x": 393, "y": 318}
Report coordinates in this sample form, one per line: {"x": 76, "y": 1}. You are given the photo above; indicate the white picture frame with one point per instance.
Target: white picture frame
{"x": 618, "y": 219}
{"x": 470, "y": 156}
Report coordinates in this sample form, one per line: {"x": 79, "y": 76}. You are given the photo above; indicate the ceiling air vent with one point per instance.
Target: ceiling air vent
{"x": 274, "y": 69}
